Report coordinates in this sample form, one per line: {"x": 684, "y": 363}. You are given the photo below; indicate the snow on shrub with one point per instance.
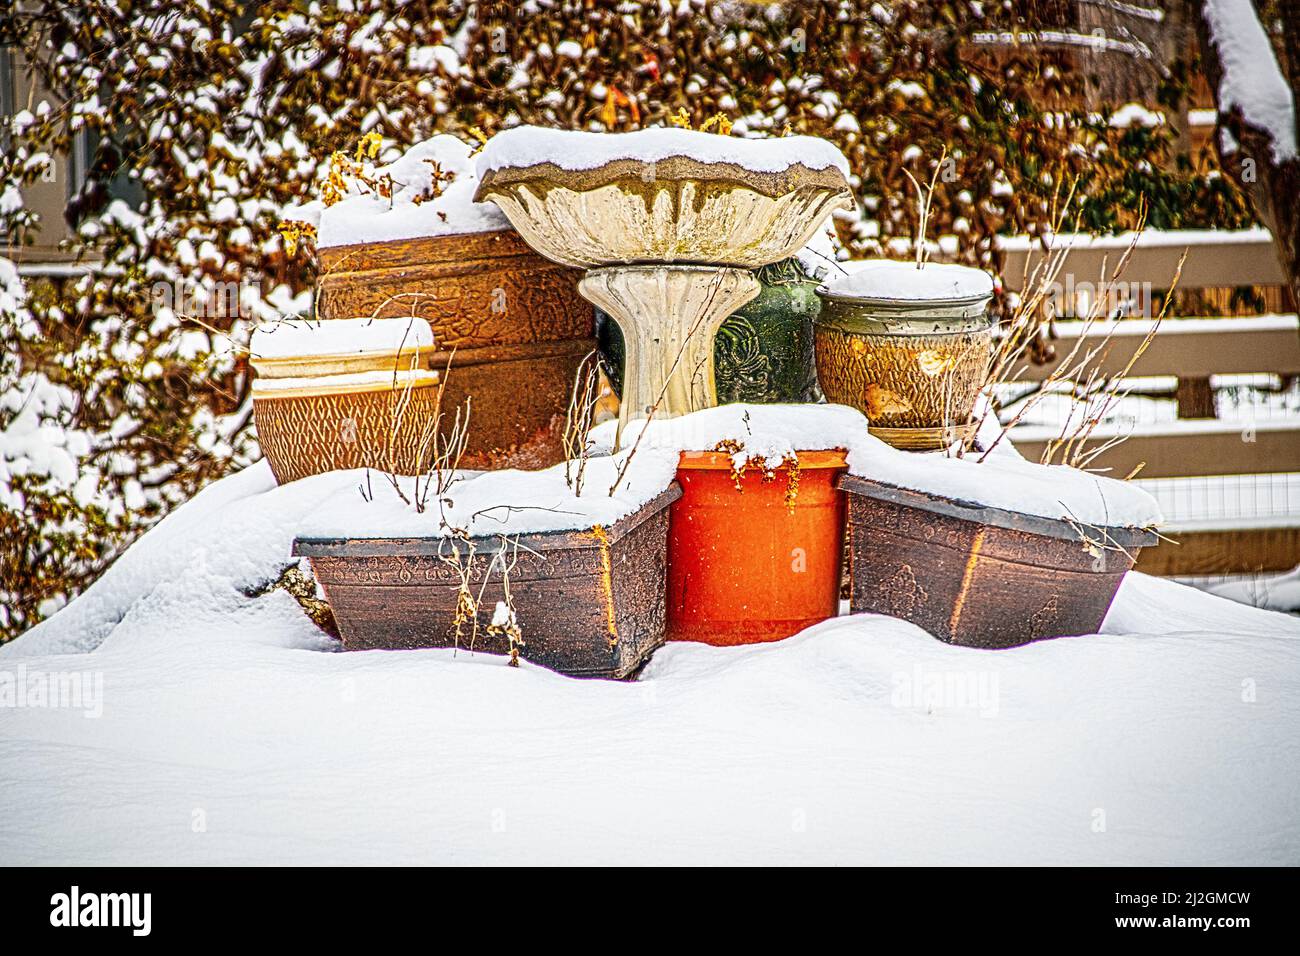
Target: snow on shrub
{"x": 210, "y": 130}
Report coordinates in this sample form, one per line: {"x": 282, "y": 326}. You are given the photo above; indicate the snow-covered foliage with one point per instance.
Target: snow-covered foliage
{"x": 431, "y": 193}
{"x": 51, "y": 512}
{"x": 211, "y": 128}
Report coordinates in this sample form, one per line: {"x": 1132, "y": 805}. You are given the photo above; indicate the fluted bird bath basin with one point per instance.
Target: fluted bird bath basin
{"x": 669, "y": 224}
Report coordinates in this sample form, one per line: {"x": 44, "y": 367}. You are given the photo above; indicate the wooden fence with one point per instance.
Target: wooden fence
{"x": 1194, "y": 446}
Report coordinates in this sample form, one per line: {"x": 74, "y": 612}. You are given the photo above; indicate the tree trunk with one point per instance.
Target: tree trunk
{"x": 1273, "y": 186}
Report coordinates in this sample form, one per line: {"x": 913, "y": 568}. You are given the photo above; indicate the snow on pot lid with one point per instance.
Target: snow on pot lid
{"x": 892, "y": 283}
{"x": 296, "y": 348}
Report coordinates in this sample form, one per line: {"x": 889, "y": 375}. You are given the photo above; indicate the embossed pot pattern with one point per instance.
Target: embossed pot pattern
{"x": 305, "y": 435}
{"x": 979, "y": 577}
{"x": 589, "y": 603}
{"x": 509, "y": 325}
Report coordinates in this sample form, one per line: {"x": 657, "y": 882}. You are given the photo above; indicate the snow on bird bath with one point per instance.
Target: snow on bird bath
{"x": 409, "y": 215}
{"x": 575, "y": 150}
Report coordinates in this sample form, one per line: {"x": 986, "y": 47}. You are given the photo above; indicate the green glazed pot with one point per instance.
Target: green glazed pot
{"x": 763, "y": 353}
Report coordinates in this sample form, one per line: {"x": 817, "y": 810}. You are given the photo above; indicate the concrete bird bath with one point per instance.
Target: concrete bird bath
{"x": 668, "y": 224}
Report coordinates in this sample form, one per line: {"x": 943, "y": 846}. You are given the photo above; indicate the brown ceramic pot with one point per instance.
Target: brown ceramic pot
{"x": 322, "y": 427}
{"x": 511, "y": 323}
{"x": 588, "y": 603}
{"x": 979, "y": 577}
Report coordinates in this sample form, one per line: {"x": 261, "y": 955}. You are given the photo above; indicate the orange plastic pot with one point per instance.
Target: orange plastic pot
{"x": 754, "y": 556}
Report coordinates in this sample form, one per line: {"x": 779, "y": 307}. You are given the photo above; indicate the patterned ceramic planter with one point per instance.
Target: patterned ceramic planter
{"x": 342, "y": 395}
{"x": 510, "y": 323}
{"x": 588, "y": 603}
{"x": 914, "y": 367}
{"x": 347, "y": 421}
{"x": 976, "y": 576}
{"x": 762, "y": 353}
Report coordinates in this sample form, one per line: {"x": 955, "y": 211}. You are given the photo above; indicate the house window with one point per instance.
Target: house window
{"x": 79, "y": 154}
{"x": 8, "y": 96}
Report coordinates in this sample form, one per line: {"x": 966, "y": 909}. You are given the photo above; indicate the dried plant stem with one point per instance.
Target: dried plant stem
{"x": 1081, "y": 365}
{"x": 1095, "y": 411}
{"x": 924, "y": 197}
{"x": 1027, "y": 321}
{"x": 466, "y": 603}
{"x": 504, "y": 561}
{"x": 577, "y": 423}
{"x": 444, "y": 450}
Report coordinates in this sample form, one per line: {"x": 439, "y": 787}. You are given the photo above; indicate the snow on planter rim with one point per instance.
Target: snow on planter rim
{"x": 359, "y": 219}
{"x": 526, "y": 146}
{"x": 519, "y": 502}
{"x": 890, "y": 279}
{"x": 300, "y": 338}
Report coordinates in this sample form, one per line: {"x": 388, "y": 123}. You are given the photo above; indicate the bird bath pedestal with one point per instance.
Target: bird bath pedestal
{"x": 669, "y": 224}
{"x": 669, "y": 359}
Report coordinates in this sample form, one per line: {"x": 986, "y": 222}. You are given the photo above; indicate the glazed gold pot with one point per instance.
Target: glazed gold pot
{"x": 309, "y": 426}
{"x": 510, "y": 322}
{"x": 913, "y": 367}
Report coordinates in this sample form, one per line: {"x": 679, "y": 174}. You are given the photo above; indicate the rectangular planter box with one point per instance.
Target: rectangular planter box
{"x": 977, "y": 576}
{"x": 589, "y": 604}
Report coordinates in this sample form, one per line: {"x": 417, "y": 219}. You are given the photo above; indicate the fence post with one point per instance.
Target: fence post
{"x": 1195, "y": 398}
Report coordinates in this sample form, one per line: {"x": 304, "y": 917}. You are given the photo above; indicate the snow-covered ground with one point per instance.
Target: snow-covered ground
{"x": 211, "y": 727}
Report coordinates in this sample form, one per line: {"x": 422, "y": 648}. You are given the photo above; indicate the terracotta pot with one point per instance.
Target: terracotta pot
{"x": 754, "y": 557}
{"x": 588, "y": 603}
{"x": 979, "y": 577}
{"x": 326, "y": 427}
{"x": 515, "y": 322}
{"x": 914, "y": 368}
